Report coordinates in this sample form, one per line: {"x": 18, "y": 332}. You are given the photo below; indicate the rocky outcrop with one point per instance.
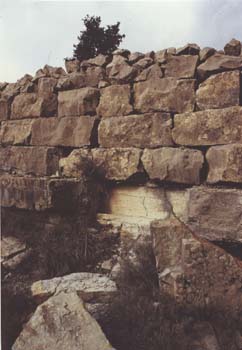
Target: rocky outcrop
{"x": 60, "y": 323}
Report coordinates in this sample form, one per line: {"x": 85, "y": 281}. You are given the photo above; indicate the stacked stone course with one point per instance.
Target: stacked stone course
{"x": 170, "y": 119}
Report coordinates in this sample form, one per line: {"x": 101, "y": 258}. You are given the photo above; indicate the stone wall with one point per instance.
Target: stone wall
{"x": 161, "y": 132}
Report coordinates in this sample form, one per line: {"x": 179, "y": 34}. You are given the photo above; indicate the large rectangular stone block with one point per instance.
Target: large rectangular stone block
{"x": 210, "y": 127}
{"x": 173, "y": 164}
{"x": 225, "y": 163}
{"x": 113, "y": 163}
{"x": 31, "y": 105}
{"x": 75, "y": 103}
{"x": 166, "y": 94}
{"x": 16, "y": 132}
{"x": 219, "y": 91}
{"x": 148, "y": 130}
{"x": 115, "y": 101}
{"x": 183, "y": 66}
{"x": 69, "y": 132}
{"x": 30, "y": 160}
{"x": 63, "y": 195}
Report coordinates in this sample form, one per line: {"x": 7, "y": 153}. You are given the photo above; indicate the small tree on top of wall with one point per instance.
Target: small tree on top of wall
{"x": 96, "y": 40}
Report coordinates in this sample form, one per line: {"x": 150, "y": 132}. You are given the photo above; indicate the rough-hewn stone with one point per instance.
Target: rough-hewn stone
{"x": 113, "y": 163}
{"x": 30, "y": 160}
{"x": 27, "y": 105}
{"x": 41, "y": 193}
{"x": 148, "y": 130}
{"x": 167, "y": 94}
{"x": 173, "y": 164}
{"x": 215, "y": 214}
{"x": 115, "y": 101}
{"x": 72, "y": 65}
{"x": 70, "y": 132}
{"x": 233, "y": 48}
{"x": 4, "y": 109}
{"x": 120, "y": 71}
{"x": 205, "y": 53}
{"x": 183, "y": 66}
{"x": 91, "y": 287}
{"x": 225, "y": 163}
{"x": 152, "y": 72}
{"x": 62, "y": 322}
{"x": 209, "y": 127}
{"x": 138, "y": 202}
{"x": 195, "y": 272}
{"x": 16, "y": 132}
{"x": 219, "y": 91}
{"x": 91, "y": 77}
{"x": 77, "y": 102}
{"x": 135, "y": 57}
{"x": 189, "y": 49}
{"x": 218, "y": 63}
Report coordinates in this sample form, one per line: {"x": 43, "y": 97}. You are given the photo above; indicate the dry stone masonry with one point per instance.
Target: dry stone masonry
{"x": 144, "y": 144}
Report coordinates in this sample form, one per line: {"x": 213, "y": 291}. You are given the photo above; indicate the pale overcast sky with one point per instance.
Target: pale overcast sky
{"x": 34, "y": 33}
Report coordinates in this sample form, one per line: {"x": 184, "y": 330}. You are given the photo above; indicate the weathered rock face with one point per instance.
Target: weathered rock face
{"x": 30, "y": 105}
{"x": 233, "y": 48}
{"x": 147, "y": 130}
{"x": 41, "y": 193}
{"x": 189, "y": 49}
{"x": 4, "y": 109}
{"x": 91, "y": 287}
{"x": 218, "y": 63}
{"x": 62, "y": 322}
{"x": 70, "y": 132}
{"x": 167, "y": 94}
{"x": 225, "y": 163}
{"x": 219, "y": 91}
{"x": 114, "y": 163}
{"x": 16, "y": 132}
{"x": 13, "y": 252}
{"x": 181, "y": 66}
{"x": 209, "y": 127}
{"x": 152, "y": 72}
{"x": 77, "y": 102}
{"x": 172, "y": 164}
{"x": 195, "y": 272}
{"x": 215, "y": 214}
{"x": 115, "y": 101}
{"x": 205, "y": 53}
{"x": 30, "y": 160}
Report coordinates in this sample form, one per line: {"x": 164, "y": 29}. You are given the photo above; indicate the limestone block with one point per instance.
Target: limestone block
{"x": 215, "y": 214}
{"x": 195, "y": 272}
{"x": 173, "y": 164}
{"x": 30, "y": 160}
{"x": 225, "y": 163}
{"x": 4, "y": 109}
{"x": 219, "y": 91}
{"x": 62, "y": 322}
{"x": 183, "y": 66}
{"x": 40, "y": 193}
{"x": 113, "y": 163}
{"x": 77, "y": 102}
{"x": 218, "y": 63}
{"x": 166, "y": 94}
{"x": 32, "y": 105}
{"x": 91, "y": 77}
{"x": 115, "y": 101}
{"x": 139, "y": 202}
{"x": 119, "y": 70}
{"x": 189, "y": 49}
{"x": 152, "y": 72}
{"x": 205, "y": 53}
{"x": 72, "y": 65}
{"x": 233, "y": 48}
{"x": 68, "y": 131}
{"x": 210, "y": 127}
{"x": 16, "y": 132}
{"x": 146, "y": 130}
{"x": 91, "y": 287}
